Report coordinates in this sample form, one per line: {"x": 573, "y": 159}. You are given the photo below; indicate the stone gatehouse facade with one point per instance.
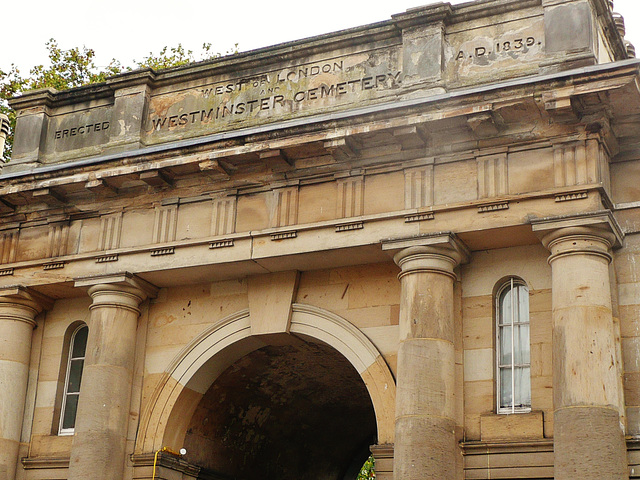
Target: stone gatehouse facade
{"x": 416, "y": 239}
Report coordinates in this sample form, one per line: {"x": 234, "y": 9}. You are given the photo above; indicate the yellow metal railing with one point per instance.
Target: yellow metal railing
{"x": 168, "y": 450}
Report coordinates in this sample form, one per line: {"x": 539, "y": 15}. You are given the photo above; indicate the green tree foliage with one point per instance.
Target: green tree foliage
{"x": 76, "y": 67}
{"x": 367, "y": 472}
{"x": 176, "y": 56}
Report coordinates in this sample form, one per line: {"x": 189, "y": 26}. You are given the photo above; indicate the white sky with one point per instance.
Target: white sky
{"x": 129, "y": 29}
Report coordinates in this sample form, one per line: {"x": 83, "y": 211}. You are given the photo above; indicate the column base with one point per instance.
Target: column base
{"x": 425, "y": 448}
{"x": 589, "y": 444}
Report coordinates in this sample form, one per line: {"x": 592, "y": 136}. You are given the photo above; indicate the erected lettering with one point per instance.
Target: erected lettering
{"x": 81, "y": 130}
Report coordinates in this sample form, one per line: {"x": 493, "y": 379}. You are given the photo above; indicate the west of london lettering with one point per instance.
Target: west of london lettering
{"x": 264, "y": 80}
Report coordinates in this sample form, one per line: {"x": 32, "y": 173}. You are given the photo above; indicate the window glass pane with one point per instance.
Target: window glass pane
{"x": 70, "y": 408}
{"x": 523, "y": 304}
{"x": 522, "y": 387}
{"x": 75, "y": 375}
{"x": 80, "y": 343}
{"x": 505, "y": 387}
{"x": 521, "y": 344}
{"x": 505, "y": 307}
{"x": 505, "y": 346}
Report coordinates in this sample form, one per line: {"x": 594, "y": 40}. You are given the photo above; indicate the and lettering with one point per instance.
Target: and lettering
{"x": 265, "y": 80}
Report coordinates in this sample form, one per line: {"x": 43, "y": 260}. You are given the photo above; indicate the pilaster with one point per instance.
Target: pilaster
{"x": 131, "y": 100}
{"x": 383, "y": 455}
{"x": 423, "y": 38}
{"x": 33, "y": 110}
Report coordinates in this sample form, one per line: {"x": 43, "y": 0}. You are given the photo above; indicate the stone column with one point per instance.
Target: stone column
{"x": 588, "y": 430}
{"x": 99, "y": 445}
{"x": 425, "y": 444}
{"x": 18, "y": 309}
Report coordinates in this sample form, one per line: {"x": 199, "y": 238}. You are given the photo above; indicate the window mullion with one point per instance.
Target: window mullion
{"x": 513, "y": 358}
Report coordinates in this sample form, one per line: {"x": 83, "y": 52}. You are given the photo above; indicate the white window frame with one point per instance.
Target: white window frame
{"x": 510, "y": 284}
{"x": 66, "y": 394}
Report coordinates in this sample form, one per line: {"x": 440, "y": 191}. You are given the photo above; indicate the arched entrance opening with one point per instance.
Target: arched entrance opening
{"x": 288, "y": 411}
{"x": 228, "y": 371}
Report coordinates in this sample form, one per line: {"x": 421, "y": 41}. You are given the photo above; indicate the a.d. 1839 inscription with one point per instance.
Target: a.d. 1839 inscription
{"x": 503, "y": 46}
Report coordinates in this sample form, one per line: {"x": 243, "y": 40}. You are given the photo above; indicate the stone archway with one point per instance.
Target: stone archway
{"x": 206, "y": 367}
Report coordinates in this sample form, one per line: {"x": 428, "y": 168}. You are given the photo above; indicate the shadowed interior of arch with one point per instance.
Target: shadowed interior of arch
{"x": 289, "y": 410}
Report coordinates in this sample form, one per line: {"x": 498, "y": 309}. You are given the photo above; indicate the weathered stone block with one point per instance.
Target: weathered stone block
{"x": 519, "y": 426}
{"x": 568, "y": 28}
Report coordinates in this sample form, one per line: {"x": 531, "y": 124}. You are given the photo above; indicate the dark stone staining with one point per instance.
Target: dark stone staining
{"x": 284, "y": 412}
{"x": 568, "y": 28}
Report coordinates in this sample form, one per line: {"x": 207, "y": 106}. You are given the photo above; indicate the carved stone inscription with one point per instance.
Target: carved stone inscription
{"x": 81, "y": 130}
{"x": 86, "y": 128}
{"x": 275, "y": 102}
{"x": 511, "y": 48}
{"x": 504, "y": 47}
{"x": 281, "y": 93}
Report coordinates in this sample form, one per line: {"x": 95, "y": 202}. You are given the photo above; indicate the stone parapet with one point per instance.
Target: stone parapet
{"x": 420, "y": 53}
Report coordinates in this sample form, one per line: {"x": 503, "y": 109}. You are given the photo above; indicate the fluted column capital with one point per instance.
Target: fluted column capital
{"x": 439, "y": 253}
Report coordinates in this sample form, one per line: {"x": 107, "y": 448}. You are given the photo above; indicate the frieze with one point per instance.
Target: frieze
{"x": 276, "y": 102}
{"x": 83, "y": 128}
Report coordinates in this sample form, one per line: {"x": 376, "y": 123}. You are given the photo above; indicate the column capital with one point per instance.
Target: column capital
{"x": 588, "y": 234}
{"x": 120, "y": 289}
{"x": 601, "y": 223}
{"x": 22, "y": 303}
{"x": 440, "y": 252}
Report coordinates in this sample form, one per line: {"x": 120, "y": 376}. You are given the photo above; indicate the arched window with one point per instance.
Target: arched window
{"x": 513, "y": 348}
{"x": 73, "y": 378}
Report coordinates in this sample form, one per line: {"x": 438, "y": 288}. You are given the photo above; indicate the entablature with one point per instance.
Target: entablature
{"x": 553, "y": 109}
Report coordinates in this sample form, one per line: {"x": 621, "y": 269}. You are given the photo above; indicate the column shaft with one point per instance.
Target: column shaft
{"x": 99, "y": 444}
{"x": 588, "y": 433}
{"x": 425, "y": 445}
{"x": 18, "y": 309}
